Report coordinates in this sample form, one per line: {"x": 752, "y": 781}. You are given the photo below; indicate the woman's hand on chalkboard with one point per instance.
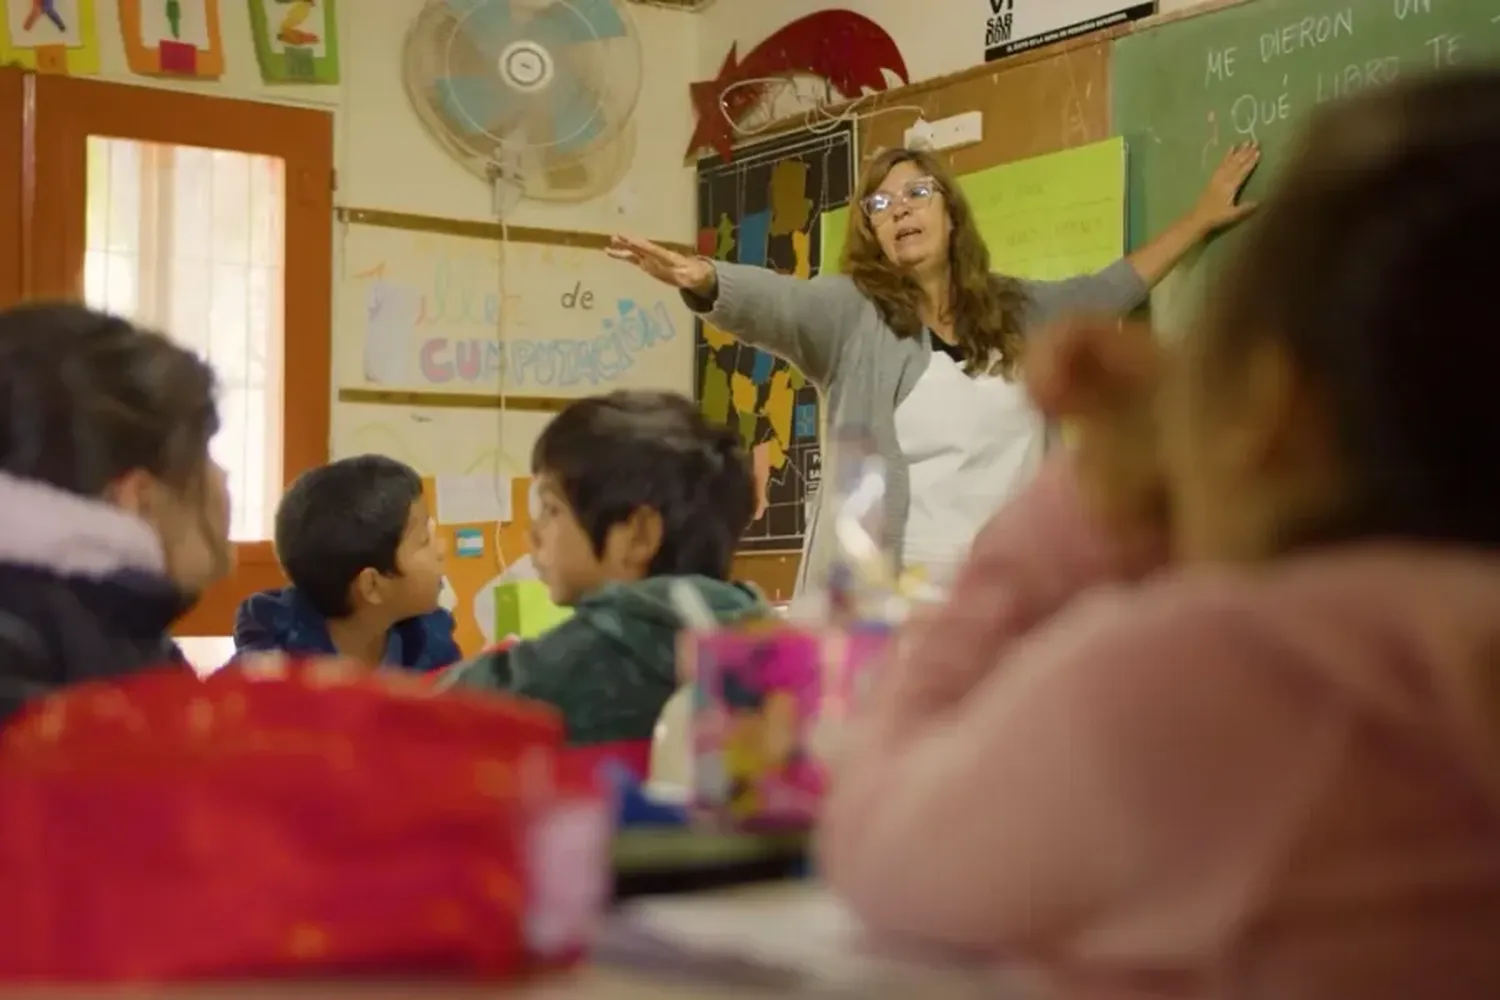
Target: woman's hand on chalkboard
{"x": 692, "y": 274}
{"x": 1221, "y": 204}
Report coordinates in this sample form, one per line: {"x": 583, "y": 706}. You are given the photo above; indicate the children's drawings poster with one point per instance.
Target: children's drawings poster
{"x": 51, "y": 36}
{"x": 441, "y": 313}
{"x": 764, "y": 208}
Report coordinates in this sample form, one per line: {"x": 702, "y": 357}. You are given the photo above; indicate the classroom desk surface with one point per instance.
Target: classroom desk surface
{"x": 797, "y": 942}
{"x": 595, "y": 984}
{"x": 588, "y": 984}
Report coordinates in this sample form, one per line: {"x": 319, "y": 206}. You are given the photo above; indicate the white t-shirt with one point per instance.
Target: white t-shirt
{"x": 971, "y": 443}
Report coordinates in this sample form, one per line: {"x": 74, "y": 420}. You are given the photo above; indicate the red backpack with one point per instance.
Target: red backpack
{"x": 292, "y": 819}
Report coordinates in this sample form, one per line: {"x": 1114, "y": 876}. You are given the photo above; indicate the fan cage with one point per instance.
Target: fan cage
{"x": 604, "y": 161}
{"x": 690, "y": 6}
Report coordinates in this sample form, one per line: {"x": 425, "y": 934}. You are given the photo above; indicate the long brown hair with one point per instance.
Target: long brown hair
{"x": 987, "y": 308}
{"x": 1363, "y": 266}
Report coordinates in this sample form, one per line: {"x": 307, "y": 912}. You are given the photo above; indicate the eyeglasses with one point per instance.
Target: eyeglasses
{"x": 916, "y": 194}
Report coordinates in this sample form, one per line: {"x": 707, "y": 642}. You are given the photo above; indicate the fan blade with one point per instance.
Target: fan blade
{"x": 486, "y": 24}
{"x": 574, "y": 112}
{"x": 478, "y": 104}
{"x": 576, "y": 21}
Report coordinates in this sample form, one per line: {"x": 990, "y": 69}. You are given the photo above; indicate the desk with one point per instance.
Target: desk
{"x": 587, "y": 984}
{"x": 789, "y": 922}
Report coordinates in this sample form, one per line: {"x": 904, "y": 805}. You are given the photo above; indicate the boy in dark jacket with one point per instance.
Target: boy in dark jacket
{"x": 356, "y": 541}
{"x": 634, "y": 492}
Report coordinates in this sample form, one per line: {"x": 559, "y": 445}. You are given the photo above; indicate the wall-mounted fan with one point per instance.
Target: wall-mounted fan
{"x": 533, "y": 95}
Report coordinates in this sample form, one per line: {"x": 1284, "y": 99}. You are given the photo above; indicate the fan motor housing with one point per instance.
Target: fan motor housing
{"x": 526, "y": 66}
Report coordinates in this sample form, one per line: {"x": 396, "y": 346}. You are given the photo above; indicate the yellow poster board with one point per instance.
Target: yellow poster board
{"x": 834, "y": 224}
{"x": 1054, "y": 216}
{"x": 50, "y": 38}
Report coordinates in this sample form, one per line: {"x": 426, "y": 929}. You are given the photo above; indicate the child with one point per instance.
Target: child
{"x": 355, "y": 539}
{"x": 634, "y": 492}
{"x": 113, "y": 515}
{"x": 1272, "y": 769}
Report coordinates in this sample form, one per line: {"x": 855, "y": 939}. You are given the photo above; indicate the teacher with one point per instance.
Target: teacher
{"x": 917, "y": 343}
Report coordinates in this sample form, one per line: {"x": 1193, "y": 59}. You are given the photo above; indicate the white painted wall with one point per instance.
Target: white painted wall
{"x": 386, "y": 161}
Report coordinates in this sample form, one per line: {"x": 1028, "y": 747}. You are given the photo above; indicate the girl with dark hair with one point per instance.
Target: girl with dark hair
{"x": 113, "y": 514}
{"x": 1213, "y": 711}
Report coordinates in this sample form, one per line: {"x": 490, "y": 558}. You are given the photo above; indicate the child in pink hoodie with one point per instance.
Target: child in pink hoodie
{"x": 1268, "y": 766}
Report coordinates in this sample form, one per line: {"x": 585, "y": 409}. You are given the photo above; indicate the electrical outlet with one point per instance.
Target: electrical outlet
{"x": 960, "y": 130}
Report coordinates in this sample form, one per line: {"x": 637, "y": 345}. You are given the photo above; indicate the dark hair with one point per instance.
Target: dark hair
{"x": 613, "y": 455}
{"x": 987, "y": 307}
{"x": 340, "y": 519}
{"x": 1369, "y": 264}
{"x": 87, "y": 397}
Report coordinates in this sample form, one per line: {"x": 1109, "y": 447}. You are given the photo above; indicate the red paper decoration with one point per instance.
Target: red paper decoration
{"x": 848, "y": 50}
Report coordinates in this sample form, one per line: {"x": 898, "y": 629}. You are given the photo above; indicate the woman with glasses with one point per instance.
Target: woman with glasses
{"x": 916, "y": 343}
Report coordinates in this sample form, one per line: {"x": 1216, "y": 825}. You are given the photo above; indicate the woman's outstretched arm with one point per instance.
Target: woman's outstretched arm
{"x": 805, "y": 322}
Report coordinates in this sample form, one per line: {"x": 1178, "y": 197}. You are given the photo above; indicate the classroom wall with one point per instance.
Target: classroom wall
{"x": 390, "y": 163}
{"x": 386, "y": 161}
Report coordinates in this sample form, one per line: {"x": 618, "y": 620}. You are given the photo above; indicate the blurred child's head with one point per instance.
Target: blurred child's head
{"x": 354, "y": 536}
{"x": 96, "y": 406}
{"x": 1344, "y": 382}
{"x": 636, "y": 484}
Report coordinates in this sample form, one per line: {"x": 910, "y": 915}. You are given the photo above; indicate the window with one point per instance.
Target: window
{"x": 211, "y": 219}
{"x": 191, "y": 241}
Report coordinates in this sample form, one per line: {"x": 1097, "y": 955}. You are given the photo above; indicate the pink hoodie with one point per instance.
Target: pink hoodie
{"x": 1279, "y": 782}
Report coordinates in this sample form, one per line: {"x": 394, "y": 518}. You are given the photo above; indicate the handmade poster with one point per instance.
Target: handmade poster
{"x": 296, "y": 41}
{"x": 173, "y": 38}
{"x": 50, "y": 36}
{"x": 766, "y": 208}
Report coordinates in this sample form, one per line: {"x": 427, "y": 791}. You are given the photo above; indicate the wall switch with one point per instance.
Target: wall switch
{"x": 919, "y": 136}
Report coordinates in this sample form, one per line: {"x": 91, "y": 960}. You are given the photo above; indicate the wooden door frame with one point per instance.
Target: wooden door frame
{"x": 67, "y": 111}
{"x": 14, "y": 95}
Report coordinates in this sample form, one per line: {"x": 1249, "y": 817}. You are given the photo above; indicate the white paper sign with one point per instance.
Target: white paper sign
{"x": 1013, "y": 26}
{"x": 476, "y": 498}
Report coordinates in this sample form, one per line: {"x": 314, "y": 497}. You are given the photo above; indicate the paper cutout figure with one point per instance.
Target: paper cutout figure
{"x": 41, "y": 9}
{"x": 291, "y": 31}
{"x": 296, "y": 41}
{"x": 173, "y": 38}
{"x": 49, "y": 36}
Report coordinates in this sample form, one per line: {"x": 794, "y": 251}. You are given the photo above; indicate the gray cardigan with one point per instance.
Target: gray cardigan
{"x": 835, "y": 336}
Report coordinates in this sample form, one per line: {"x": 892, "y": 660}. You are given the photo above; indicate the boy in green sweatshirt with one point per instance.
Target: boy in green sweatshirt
{"x": 633, "y": 492}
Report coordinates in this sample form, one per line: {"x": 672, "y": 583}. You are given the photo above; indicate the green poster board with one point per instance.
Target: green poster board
{"x": 296, "y": 41}
{"x": 1186, "y": 91}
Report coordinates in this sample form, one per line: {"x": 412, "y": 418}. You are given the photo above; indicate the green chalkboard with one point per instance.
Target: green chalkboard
{"x": 1187, "y": 90}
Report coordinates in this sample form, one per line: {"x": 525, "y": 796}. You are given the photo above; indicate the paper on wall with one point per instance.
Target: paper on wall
{"x": 473, "y": 498}
{"x": 834, "y": 226}
{"x": 389, "y": 316}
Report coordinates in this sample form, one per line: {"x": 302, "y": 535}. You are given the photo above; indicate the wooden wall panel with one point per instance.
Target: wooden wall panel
{"x": 12, "y": 170}
{"x": 1054, "y": 98}
{"x": 775, "y": 573}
